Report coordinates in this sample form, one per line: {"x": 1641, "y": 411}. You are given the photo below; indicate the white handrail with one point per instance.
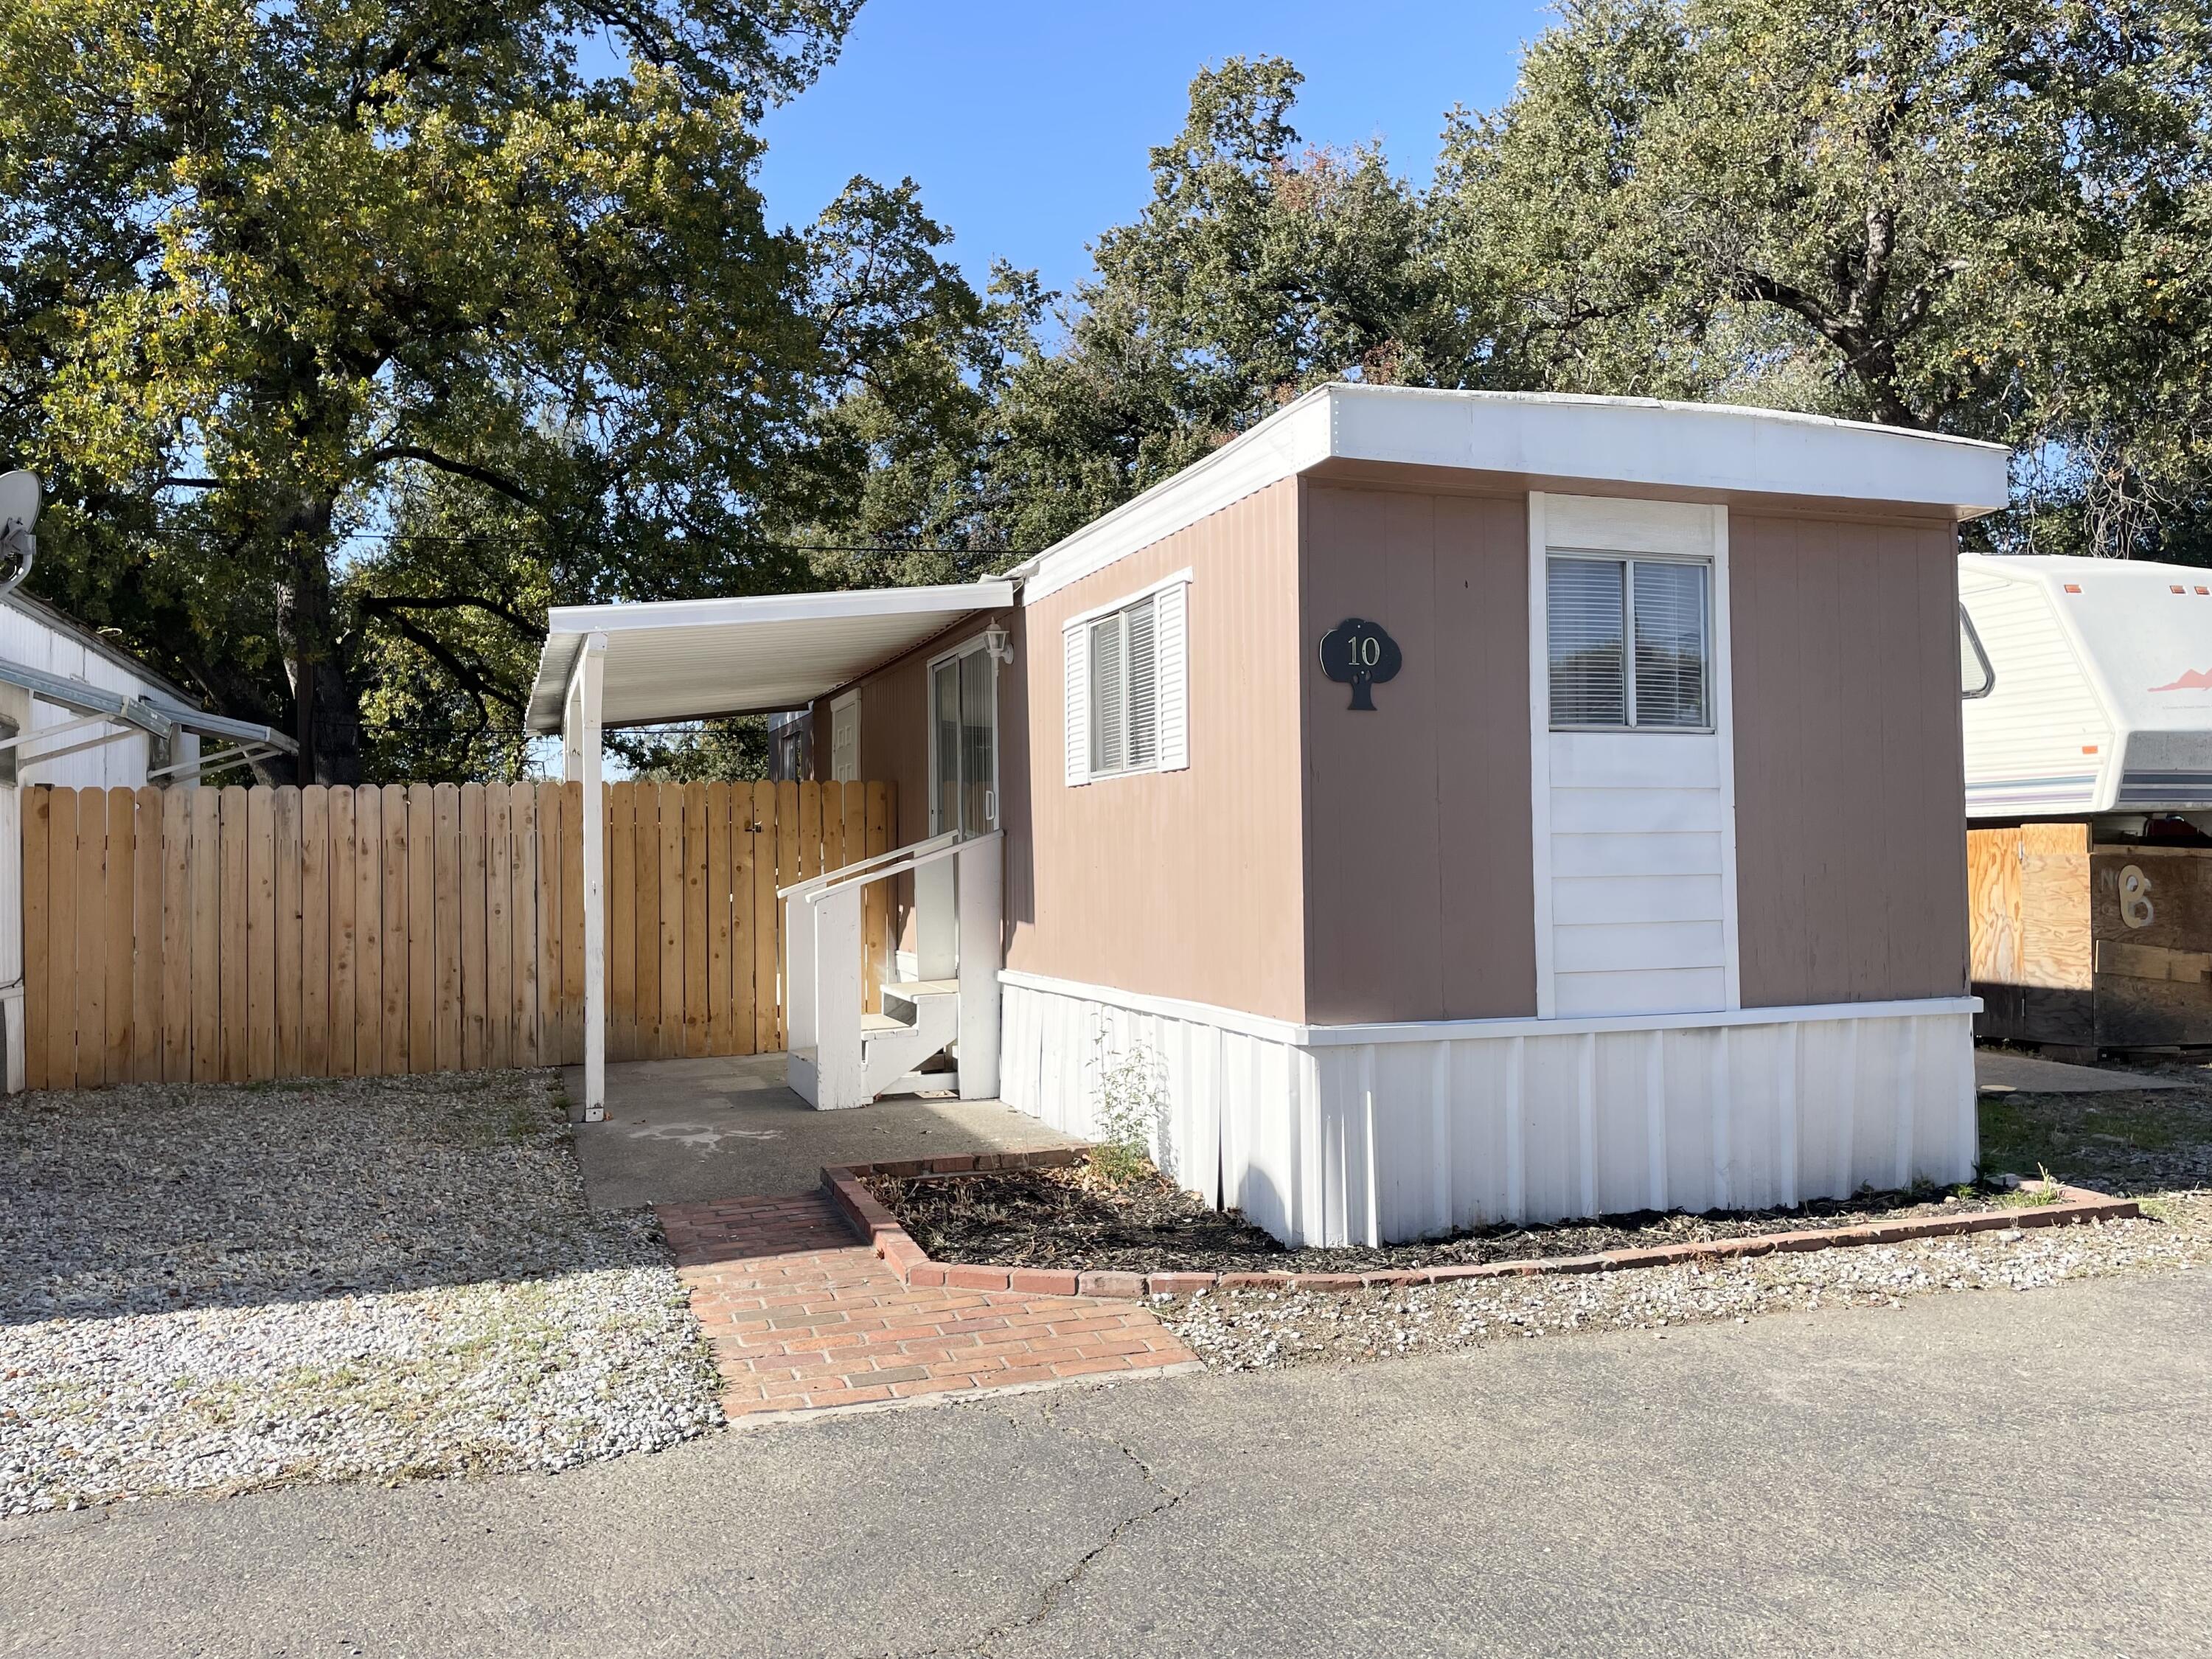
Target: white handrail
{"x": 828, "y": 877}
{"x": 923, "y": 851}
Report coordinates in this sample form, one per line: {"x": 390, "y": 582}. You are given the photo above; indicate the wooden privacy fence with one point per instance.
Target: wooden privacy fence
{"x": 235, "y": 935}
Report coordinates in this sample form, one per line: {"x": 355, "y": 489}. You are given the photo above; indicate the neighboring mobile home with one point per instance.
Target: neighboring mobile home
{"x": 2088, "y": 744}
{"x": 1446, "y": 807}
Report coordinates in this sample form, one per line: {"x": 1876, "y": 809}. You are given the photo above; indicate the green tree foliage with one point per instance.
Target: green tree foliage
{"x": 350, "y": 333}
{"x": 1259, "y": 269}
{"x": 1988, "y": 219}
{"x": 1985, "y": 218}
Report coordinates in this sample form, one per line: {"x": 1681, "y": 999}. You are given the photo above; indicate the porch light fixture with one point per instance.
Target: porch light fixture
{"x": 1000, "y": 644}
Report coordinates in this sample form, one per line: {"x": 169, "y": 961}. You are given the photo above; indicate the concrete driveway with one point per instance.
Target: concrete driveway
{"x": 1970, "y": 1474}
{"x": 683, "y": 1131}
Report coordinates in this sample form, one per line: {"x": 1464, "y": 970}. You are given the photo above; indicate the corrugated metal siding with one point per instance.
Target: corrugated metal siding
{"x": 2024, "y": 741}
{"x": 1401, "y": 1140}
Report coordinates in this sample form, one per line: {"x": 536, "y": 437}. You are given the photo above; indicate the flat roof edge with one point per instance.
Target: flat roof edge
{"x": 1635, "y": 441}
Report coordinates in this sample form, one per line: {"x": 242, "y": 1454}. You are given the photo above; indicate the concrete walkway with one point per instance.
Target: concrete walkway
{"x": 2003, "y": 1071}
{"x": 1971, "y": 1474}
{"x": 683, "y": 1131}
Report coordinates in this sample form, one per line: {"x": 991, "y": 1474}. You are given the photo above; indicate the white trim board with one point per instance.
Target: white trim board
{"x": 1271, "y": 1029}
{"x": 1614, "y": 440}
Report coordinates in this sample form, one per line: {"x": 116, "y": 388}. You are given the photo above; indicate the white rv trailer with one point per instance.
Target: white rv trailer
{"x": 2087, "y": 688}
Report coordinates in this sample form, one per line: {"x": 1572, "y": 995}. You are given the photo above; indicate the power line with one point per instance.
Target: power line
{"x": 187, "y": 533}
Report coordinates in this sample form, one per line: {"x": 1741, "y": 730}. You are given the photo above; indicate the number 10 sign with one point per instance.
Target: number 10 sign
{"x": 1360, "y": 654}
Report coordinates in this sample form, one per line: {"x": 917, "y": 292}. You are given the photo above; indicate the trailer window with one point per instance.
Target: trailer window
{"x": 1631, "y": 643}
{"x": 1976, "y": 678}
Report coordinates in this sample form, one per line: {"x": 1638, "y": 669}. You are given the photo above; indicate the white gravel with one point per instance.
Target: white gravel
{"x": 1246, "y": 1330}
{"x": 219, "y": 1288}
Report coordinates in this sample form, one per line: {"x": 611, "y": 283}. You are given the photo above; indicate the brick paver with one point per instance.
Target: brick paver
{"x": 803, "y": 1317}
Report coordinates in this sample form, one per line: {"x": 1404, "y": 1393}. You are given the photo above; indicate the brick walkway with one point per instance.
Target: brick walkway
{"x": 803, "y": 1317}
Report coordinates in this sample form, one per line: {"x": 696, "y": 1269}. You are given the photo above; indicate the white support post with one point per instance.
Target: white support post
{"x": 982, "y": 957}
{"x": 841, "y": 1068}
{"x": 15, "y": 708}
{"x": 581, "y": 763}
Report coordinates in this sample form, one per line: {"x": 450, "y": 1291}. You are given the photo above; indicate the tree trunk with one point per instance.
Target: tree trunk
{"x": 326, "y": 704}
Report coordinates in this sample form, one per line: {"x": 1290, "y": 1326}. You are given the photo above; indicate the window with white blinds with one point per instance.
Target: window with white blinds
{"x": 1126, "y": 687}
{"x": 1125, "y": 680}
{"x": 1631, "y": 642}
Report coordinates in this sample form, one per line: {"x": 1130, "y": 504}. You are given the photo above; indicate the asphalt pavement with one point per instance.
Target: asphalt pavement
{"x": 1973, "y": 1474}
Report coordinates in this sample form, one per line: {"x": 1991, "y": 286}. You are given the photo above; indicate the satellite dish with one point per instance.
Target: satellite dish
{"x": 19, "y": 502}
{"x": 18, "y": 511}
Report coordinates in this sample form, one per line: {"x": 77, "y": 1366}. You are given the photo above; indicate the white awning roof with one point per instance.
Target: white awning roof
{"x": 682, "y": 659}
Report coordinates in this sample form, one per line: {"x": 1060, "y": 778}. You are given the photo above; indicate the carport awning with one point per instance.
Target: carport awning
{"x": 690, "y": 658}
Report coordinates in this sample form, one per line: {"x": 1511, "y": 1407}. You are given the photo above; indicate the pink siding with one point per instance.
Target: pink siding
{"x": 1181, "y": 884}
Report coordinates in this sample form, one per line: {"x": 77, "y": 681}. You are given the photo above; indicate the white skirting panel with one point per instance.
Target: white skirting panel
{"x": 1324, "y": 1139}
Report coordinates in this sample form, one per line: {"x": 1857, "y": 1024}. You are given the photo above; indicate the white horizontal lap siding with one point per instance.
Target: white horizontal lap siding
{"x": 1635, "y": 831}
{"x": 2025, "y": 741}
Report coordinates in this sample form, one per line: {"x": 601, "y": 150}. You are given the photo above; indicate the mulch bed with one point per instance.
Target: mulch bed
{"x": 1064, "y": 1218}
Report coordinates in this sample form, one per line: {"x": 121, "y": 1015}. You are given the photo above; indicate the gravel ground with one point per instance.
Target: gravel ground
{"x": 214, "y": 1289}
{"x": 2156, "y": 1146}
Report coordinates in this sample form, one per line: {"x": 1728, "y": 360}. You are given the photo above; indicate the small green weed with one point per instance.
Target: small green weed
{"x": 1131, "y": 1103}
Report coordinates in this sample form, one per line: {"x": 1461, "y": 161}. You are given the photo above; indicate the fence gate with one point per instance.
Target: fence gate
{"x": 244, "y": 933}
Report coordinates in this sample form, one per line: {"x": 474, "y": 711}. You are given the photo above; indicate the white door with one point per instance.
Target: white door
{"x": 845, "y": 738}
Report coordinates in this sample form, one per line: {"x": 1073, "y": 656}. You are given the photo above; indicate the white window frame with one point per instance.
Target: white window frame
{"x": 1170, "y": 680}
{"x": 968, "y": 648}
{"x": 1628, "y": 561}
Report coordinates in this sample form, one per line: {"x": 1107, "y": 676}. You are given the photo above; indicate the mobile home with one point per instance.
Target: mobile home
{"x": 1445, "y": 807}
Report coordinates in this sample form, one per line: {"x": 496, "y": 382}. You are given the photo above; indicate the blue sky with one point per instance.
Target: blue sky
{"x": 1026, "y": 122}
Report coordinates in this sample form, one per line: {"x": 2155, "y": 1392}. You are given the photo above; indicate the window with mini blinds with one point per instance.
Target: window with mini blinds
{"x": 1631, "y": 643}
{"x": 1124, "y": 687}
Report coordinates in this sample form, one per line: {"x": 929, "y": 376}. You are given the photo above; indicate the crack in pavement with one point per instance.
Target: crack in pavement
{"x": 980, "y": 1646}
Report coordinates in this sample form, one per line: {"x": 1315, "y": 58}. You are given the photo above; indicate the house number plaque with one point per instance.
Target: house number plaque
{"x": 1361, "y": 655}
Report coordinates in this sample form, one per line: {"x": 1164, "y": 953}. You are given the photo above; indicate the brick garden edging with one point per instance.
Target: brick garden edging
{"x": 897, "y": 1250}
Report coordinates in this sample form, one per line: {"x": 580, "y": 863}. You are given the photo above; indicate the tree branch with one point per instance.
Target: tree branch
{"x": 385, "y": 604}
{"x": 469, "y": 679}
{"x": 483, "y": 474}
